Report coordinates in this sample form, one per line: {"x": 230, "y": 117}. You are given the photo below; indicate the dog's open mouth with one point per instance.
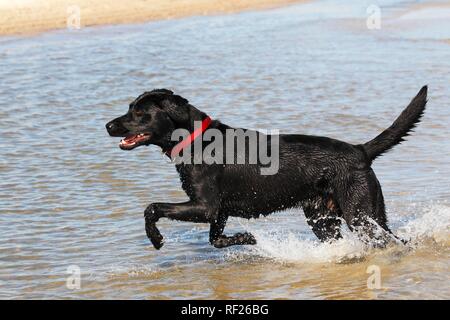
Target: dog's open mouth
{"x": 133, "y": 141}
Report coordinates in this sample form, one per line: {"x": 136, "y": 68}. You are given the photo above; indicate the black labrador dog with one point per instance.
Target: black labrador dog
{"x": 330, "y": 179}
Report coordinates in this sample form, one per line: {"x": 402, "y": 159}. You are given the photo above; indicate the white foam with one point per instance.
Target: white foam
{"x": 130, "y": 271}
{"x": 432, "y": 222}
{"x": 290, "y": 248}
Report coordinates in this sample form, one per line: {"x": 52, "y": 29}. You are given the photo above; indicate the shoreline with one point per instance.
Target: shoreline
{"x": 25, "y": 17}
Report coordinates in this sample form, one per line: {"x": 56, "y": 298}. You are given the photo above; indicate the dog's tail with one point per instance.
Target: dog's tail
{"x": 401, "y": 127}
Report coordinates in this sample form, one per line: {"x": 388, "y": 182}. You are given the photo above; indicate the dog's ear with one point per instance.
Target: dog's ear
{"x": 177, "y": 108}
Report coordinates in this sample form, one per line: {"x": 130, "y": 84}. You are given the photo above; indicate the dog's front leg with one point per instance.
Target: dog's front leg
{"x": 192, "y": 211}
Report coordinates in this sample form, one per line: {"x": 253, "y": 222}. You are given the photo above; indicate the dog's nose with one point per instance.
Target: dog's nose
{"x": 116, "y": 129}
{"x": 110, "y": 126}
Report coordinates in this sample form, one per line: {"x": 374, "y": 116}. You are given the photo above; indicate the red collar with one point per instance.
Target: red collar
{"x": 189, "y": 139}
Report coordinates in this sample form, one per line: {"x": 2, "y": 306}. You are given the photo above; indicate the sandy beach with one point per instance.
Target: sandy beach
{"x": 31, "y": 16}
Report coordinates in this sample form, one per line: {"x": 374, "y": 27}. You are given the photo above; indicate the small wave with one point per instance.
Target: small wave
{"x": 430, "y": 223}
{"x": 131, "y": 271}
{"x": 433, "y": 223}
{"x": 288, "y": 247}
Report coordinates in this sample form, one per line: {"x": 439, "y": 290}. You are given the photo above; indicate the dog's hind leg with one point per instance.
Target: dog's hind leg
{"x": 322, "y": 214}
{"x": 363, "y": 208}
{"x": 219, "y": 240}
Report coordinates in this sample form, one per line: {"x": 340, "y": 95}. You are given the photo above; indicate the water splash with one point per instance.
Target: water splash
{"x": 290, "y": 248}
{"x": 430, "y": 223}
{"x": 433, "y": 223}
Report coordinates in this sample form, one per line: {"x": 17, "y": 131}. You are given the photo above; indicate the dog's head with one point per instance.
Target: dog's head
{"x": 151, "y": 119}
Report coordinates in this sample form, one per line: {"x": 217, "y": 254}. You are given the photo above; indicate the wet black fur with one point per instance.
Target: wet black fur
{"x": 330, "y": 179}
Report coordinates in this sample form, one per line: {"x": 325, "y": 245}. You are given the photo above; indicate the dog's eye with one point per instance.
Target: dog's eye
{"x": 139, "y": 113}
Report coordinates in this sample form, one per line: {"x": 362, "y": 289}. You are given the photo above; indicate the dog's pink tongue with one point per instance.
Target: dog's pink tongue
{"x": 130, "y": 138}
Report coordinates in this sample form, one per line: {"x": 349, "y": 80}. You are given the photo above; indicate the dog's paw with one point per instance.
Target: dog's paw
{"x": 220, "y": 242}
{"x": 157, "y": 242}
{"x": 154, "y": 235}
{"x": 248, "y": 238}
{"x": 237, "y": 239}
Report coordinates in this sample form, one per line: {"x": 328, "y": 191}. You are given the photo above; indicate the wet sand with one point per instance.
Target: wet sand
{"x": 31, "y": 16}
